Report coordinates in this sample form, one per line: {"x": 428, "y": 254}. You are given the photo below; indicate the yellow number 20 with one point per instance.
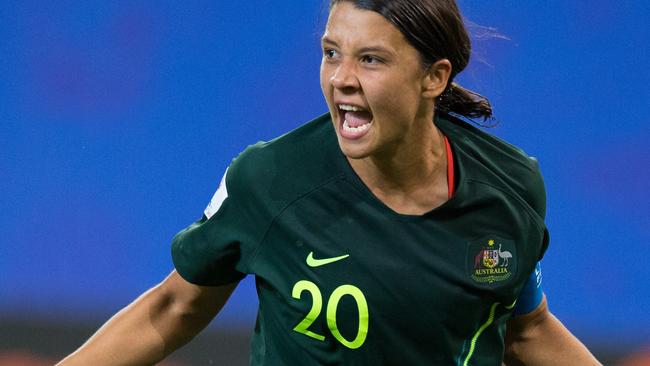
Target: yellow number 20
{"x": 332, "y": 305}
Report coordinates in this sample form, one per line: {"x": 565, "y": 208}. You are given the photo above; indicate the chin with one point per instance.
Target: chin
{"x": 354, "y": 151}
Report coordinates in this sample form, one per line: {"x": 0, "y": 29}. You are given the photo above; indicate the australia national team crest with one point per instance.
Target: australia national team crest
{"x": 491, "y": 260}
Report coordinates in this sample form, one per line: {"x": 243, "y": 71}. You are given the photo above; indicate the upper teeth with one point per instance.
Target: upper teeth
{"x": 351, "y": 108}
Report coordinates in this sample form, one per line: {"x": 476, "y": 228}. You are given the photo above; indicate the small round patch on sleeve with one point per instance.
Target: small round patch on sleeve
{"x": 491, "y": 260}
{"x": 217, "y": 199}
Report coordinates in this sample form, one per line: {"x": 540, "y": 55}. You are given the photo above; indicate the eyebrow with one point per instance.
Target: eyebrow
{"x": 379, "y": 49}
{"x": 373, "y": 49}
{"x": 329, "y": 41}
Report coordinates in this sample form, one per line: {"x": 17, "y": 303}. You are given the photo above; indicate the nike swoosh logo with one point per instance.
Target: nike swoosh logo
{"x": 313, "y": 262}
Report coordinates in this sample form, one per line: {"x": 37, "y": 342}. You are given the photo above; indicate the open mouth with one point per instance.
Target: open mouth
{"x": 356, "y": 121}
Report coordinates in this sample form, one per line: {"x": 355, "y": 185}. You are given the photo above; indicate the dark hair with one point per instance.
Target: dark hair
{"x": 435, "y": 28}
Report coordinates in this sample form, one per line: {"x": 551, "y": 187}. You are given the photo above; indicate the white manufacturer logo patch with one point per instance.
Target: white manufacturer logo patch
{"x": 217, "y": 200}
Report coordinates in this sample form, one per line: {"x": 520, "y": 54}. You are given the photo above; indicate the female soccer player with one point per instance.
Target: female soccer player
{"x": 385, "y": 232}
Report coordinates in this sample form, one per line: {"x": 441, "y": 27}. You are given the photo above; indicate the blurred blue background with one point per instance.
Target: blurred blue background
{"x": 117, "y": 120}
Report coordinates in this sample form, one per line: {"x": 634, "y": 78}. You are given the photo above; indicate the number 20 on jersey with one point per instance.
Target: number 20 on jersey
{"x": 332, "y": 305}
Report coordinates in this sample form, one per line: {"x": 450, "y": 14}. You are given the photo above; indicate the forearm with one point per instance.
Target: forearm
{"x": 541, "y": 339}
{"x": 150, "y": 328}
{"x": 128, "y": 338}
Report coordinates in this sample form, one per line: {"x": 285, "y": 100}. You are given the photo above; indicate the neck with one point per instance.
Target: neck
{"x": 407, "y": 168}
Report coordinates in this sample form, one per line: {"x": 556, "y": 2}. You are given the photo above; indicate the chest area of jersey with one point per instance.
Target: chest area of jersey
{"x": 336, "y": 261}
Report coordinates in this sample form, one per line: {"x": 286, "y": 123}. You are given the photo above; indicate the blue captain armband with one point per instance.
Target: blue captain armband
{"x": 531, "y": 295}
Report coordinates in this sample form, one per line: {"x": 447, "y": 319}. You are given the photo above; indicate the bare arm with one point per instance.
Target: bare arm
{"x": 153, "y": 326}
{"x": 539, "y": 339}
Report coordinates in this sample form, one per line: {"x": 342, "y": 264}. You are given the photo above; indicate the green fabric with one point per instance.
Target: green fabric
{"x": 380, "y": 288}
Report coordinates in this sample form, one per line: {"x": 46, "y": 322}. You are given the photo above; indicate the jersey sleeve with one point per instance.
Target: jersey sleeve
{"x": 536, "y": 198}
{"x": 216, "y": 249}
{"x": 531, "y": 295}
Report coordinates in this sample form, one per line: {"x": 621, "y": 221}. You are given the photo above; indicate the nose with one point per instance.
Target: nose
{"x": 344, "y": 77}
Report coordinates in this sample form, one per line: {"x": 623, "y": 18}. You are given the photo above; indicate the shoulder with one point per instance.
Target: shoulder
{"x": 281, "y": 168}
{"x": 502, "y": 164}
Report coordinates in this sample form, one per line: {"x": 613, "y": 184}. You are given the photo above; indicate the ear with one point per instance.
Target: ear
{"x": 436, "y": 78}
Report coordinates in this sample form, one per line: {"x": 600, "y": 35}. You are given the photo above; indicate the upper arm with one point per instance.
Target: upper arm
{"x": 531, "y": 309}
{"x": 523, "y": 326}
{"x": 181, "y": 309}
{"x": 188, "y": 298}
{"x": 523, "y": 330}
{"x": 539, "y": 338}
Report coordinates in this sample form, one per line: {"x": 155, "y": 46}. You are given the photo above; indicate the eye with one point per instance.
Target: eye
{"x": 329, "y": 53}
{"x": 371, "y": 60}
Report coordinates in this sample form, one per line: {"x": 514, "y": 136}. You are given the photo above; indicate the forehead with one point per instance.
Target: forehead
{"x": 349, "y": 26}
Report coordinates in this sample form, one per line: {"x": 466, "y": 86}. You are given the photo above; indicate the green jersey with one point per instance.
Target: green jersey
{"x": 344, "y": 280}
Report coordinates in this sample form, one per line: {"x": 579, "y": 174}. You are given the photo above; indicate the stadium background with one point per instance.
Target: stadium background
{"x": 117, "y": 120}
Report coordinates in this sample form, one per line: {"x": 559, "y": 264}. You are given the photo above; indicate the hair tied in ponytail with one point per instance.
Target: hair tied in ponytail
{"x": 466, "y": 104}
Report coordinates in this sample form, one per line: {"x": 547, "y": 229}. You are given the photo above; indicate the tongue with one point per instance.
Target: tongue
{"x": 356, "y": 119}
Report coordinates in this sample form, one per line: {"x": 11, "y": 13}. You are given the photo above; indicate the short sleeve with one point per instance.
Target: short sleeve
{"x": 216, "y": 250}
{"x": 536, "y": 198}
{"x": 208, "y": 251}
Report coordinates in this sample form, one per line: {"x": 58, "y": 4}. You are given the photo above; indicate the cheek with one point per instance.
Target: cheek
{"x": 327, "y": 90}
{"x": 324, "y": 78}
{"x": 396, "y": 100}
